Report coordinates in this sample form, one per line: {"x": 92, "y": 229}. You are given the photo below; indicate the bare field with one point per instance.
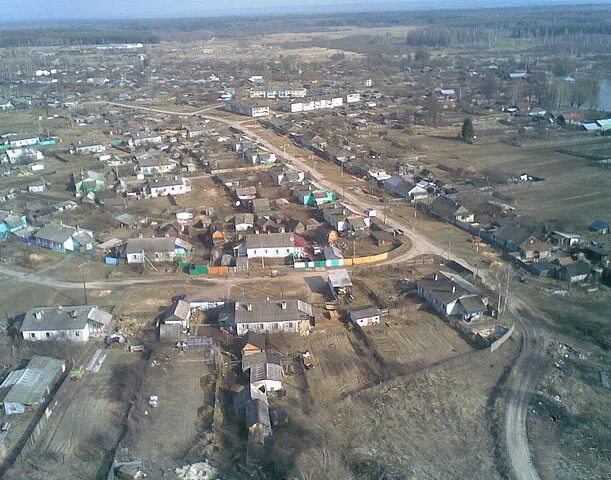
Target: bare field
{"x": 574, "y": 191}
{"x": 173, "y": 434}
{"x": 419, "y": 341}
{"x": 433, "y": 424}
{"x": 338, "y": 366}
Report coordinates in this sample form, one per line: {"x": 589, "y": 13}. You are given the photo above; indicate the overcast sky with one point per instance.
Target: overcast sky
{"x": 24, "y": 10}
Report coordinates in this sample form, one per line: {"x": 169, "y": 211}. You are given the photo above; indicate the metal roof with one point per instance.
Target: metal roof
{"x": 55, "y": 233}
{"x": 270, "y": 240}
{"x": 367, "y": 311}
{"x": 272, "y": 311}
{"x": 29, "y": 385}
{"x": 63, "y": 318}
{"x": 265, "y": 371}
{"x": 151, "y": 245}
{"x": 339, "y": 278}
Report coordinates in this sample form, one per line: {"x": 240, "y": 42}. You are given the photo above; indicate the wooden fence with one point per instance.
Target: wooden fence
{"x": 497, "y": 343}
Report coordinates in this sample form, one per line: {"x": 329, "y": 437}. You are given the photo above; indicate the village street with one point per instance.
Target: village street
{"x": 527, "y": 369}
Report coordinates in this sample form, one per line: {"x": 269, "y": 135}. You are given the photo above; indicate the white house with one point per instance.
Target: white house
{"x": 452, "y": 295}
{"x": 151, "y": 165}
{"x": 244, "y": 221}
{"x": 143, "y": 139}
{"x": 267, "y": 377}
{"x": 365, "y": 316}
{"x": 160, "y": 187}
{"x": 249, "y": 110}
{"x": 273, "y": 245}
{"x": 17, "y": 141}
{"x": 65, "y": 323}
{"x": 83, "y": 149}
{"x": 417, "y": 192}
{"x": 272, "y": 316}
{"x": 155, "y": 250}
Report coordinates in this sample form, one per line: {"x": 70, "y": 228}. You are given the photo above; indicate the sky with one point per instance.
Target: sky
{"x": 27, "y": 10}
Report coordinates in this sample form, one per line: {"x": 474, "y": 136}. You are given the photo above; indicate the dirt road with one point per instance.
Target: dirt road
{"x": 529, "y": 365}
{"x": 526, "y": 375}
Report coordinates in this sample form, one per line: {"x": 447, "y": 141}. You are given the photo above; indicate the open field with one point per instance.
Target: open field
{"x": 173, "y": 433}
{"x": 405, "y": 426}
{"x": 338, "y": 366}
{"x": 419, "y": 340}
{"x": 574, "y": 191}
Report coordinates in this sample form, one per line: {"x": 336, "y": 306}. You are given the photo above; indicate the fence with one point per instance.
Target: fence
{"x": 343, "y": 262}
{"x": 497, "y": 343}
{"x": 32, "y": 431}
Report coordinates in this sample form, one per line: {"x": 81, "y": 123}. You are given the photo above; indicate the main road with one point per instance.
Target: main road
{"x": 530, "y": 363}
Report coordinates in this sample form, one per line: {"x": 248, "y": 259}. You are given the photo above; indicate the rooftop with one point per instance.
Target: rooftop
{"x": 28, "y": 386}
{"x": 63, "y": 318}
{"x": 278, "y": 310}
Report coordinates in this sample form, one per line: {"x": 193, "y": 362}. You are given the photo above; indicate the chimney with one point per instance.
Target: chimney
{"x": 436, "y": 277}
{"x": 249, "y": 307}
{"x": 283, "y": 305}
{"x": 38, "y": 315}
{"x": 453, "y": 288}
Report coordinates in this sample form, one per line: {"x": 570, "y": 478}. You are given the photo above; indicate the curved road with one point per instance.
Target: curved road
{"x": 530, "y": 363}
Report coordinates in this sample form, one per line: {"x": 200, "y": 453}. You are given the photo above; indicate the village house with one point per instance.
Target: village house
{"x": 61, "y": 238}
{"x": 272, "y": 316}
{"x": 451, "y": 210}
{"x": 244, "y": 221}
{"x": 307, "y": 195}
{"x": 562, "y": 239}
{"x": 86, "y": 148}
{"x": 574, "y": 272}
{"x": 365, "y": 316}
{"x": 249, "y": 110}
{"x": 21, "y": 155}
{"x": 274, "y": 245}
{"x": 156, "y": 250}
{"x": 382, "y": 237}
{"x": 451, "y": 295}
{"x": 11, "y": 223}
{"x": 28, "y": 387}
{"x": 37, "y": 187}
{"x": 509, "y": 237}
{"x": 155, "y": 165}
{"x": 535, "y": 249}
{"x": 75, "y": 323}
{"x": 160, "y": 187}
{"x": 91, "y": 182}
{"x": 26, "y": 140}
{"x": 142, "y": 139}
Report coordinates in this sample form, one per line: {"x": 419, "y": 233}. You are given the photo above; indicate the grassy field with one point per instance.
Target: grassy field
{"x": 574, "y": 192}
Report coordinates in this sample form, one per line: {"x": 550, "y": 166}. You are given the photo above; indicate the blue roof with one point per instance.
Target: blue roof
{"x": 599, "y": 225}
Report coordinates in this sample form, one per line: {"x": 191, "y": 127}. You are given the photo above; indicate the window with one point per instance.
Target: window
{"x": 77, "y": 334}
{"x": 32, "y": 335}
{"x": 48, "y": 334}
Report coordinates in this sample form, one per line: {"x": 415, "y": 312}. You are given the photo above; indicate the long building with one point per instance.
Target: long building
{"x": 273, "y": 316}
{"x": 29, "y": 386}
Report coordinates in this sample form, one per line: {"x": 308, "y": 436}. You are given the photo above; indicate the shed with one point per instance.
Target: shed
{"x": 599, "y": 226}
{"x": 29, "y": 386}
{"x": 365, "y": 316}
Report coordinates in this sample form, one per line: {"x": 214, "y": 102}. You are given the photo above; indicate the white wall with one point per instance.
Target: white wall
{"x": 280, "y": 252}
{"x": 44, "y": 336}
